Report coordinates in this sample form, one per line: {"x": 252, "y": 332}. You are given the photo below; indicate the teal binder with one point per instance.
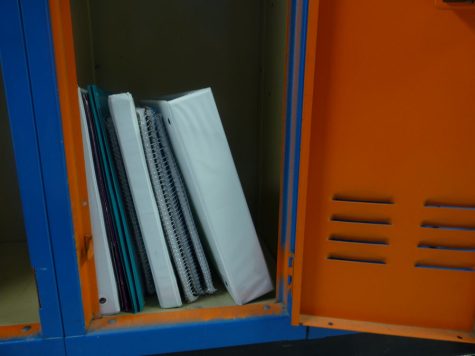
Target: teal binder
{"x": 130, "y": 264}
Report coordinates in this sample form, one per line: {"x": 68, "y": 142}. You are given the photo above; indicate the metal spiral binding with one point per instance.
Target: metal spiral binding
{"x": 183, "y": 203}
{"x": 181, "y": 226}
{"x": 129, "y": 207}
{"x": 182, "y": 236}
{"x": 162, "y": 189}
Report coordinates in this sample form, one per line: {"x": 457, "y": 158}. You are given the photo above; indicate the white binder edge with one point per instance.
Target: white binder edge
{"x": 106, "y": 282}
{"x": 123, "y": 114}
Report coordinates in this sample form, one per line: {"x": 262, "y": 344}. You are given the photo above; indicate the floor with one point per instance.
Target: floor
{"x": 348, "y": 345}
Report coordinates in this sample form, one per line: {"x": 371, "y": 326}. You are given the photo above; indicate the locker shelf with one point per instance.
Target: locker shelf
{"x": 220, "y": 299}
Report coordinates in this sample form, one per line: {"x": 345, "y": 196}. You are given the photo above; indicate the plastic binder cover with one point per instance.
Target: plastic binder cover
{"x": 125, "y": 120}
{"x": 106, "y": 281}
{"x": 205, "y": 160}
{"x": 131, "y": 214}
{"x": 112, "y": 237}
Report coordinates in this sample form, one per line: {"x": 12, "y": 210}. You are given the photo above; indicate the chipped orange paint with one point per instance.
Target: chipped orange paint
{"x": 67, "y": 87}
{"x": 173, "y": 316}
{"x": 20, "y": 330}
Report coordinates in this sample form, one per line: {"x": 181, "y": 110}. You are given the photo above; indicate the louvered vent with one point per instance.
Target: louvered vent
{"x": 365, "y": 242}
{"x": 451, "y": 252}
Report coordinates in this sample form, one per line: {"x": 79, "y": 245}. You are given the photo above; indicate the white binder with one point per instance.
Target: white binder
{"x": 205, "y": 160}
{"x": 106, "y": 282}
{"x": 124, "y": 115}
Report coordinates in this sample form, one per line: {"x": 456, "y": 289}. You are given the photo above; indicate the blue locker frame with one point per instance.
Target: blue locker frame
{"x": 166, "y": 337}
{"x": 15, "y": 62}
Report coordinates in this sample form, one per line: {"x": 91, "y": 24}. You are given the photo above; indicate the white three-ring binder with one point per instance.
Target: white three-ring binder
{"x": 205, "y": 160}
{"x": 106, "y": 282}
{"x": 124, "y": 115}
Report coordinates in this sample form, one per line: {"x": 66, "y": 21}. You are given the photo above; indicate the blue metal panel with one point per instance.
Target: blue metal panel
{"x": 24, "y": 137}
{"x": 296, "y": 72}
{"x": 302, "y": 39}
{"x": 50, "y": 138}
{"x": 174, "y": 338}
{"x": 33, "y": 346}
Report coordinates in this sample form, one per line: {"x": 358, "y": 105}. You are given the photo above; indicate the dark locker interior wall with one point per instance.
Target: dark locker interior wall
{"x": 11, "y": 218}
{"x": 152, "y": 48}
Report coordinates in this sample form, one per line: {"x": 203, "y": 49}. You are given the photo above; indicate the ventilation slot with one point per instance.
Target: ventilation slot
{"x": 374, "y": 261}
{"x": 355, "y": 220}
{"x": 434, "y": 225}
{"x": 428, "y": 245}
{"x": 441, "y": 205}
{"x": 359, "y": 240}
{"x": 350, "y": 199}
{"x": 444, "y": 267}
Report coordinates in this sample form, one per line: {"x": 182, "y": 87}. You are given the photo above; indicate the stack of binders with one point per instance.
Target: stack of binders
{"x": 152, "y": 171}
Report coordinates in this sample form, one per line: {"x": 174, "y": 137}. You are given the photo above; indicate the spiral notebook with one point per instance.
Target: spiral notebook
{"x": 178, "y": 224}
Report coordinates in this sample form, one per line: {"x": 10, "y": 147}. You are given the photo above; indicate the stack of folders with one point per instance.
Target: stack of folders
{"x": 152, "y": 172}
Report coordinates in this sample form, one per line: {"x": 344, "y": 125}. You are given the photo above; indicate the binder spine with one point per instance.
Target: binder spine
{"x": 129, "y": 207}
{"x": 165, "y": 198}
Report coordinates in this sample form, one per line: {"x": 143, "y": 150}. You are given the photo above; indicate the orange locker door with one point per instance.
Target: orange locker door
{"x": 386, "y": 215}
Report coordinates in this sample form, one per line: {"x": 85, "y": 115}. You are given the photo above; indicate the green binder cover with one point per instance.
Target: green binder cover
{"x": 100, "y": 112}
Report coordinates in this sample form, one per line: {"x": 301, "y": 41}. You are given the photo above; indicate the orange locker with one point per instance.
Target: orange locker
{"x": 386, "y": 214}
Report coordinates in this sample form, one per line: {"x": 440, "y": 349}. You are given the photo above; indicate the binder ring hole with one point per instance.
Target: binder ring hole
{"x": 169, "y": 122}
{"x": 26, "y": 328}
{"x": 102, "y": 300}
